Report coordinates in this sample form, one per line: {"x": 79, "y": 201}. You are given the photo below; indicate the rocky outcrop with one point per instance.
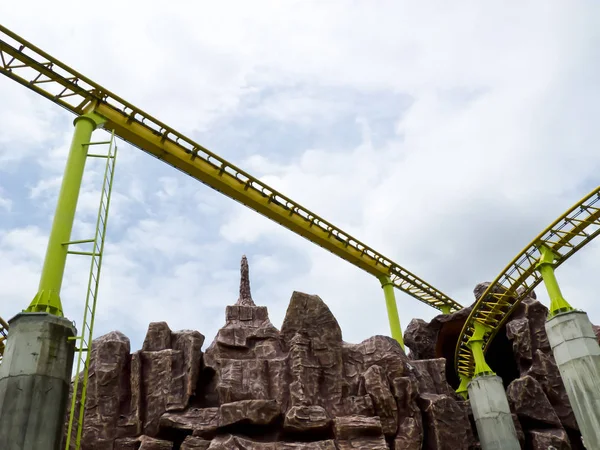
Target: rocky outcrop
{"x": 549, "y": 439}
{"x": 303, "y": 387}
{"x": 526, "y": 330}
{"x": 528, "y": 400}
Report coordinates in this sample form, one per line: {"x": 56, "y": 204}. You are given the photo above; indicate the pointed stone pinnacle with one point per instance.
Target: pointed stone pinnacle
{"x": 245, "y": 295}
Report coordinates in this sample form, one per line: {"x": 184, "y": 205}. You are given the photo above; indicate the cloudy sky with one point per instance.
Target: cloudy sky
{"x": 446, "y": 135}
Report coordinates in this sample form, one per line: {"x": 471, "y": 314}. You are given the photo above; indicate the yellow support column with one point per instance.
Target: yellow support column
{"x": 47, "y": 298}
{"x": 576, "y": 351}
{"x": 35, "y": 373}
{"x": 488, "y": 400}
{"x": 392, "y": 309}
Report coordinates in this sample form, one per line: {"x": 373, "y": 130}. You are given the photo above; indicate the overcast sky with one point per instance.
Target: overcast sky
{"x": 446, "y": 135}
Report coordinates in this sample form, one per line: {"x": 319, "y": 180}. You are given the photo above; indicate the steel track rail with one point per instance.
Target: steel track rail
{"x": 565, "y": 236}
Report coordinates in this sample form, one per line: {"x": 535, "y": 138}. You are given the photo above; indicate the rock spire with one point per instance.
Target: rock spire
{"x": 245, "y": 294}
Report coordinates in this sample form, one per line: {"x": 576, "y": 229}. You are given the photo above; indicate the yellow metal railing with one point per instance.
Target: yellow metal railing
{"x": 38, "y": 71}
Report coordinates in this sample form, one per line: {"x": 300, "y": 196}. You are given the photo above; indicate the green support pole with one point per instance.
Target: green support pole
{"x": 445, "y": 309}
{"x": 476, "y": 346}
{"x": 48, "y": 297}
{"x": 392, "y": 309}
{"x": 463, "y": 389}
{"x": 545, "y": 266}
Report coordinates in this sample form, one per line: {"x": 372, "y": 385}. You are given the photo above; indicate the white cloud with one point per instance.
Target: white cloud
{"x": 495, "y": 139}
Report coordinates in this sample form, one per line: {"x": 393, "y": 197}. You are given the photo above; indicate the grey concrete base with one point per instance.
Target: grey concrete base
{"x": 492, "y": 415}
{"x": 577, "y": 355}
{"x": 35, "y": 376}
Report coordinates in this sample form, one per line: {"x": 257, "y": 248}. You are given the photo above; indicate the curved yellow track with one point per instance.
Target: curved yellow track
{"x": 568, "y": 234}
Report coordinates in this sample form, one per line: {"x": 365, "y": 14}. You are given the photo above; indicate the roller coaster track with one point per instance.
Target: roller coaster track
{"x": 567, "y": 235}
{"x": 45, "y": 75}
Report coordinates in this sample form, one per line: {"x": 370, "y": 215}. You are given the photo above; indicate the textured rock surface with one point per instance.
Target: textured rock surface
{"x": 199, "y": 421}
{"x": 431, "y": 375}
{"x": 301, "y": 388}
{"x": 195, "y": 443}
{"x": 446, "y": 422}
{"x": 549, "y": 439}
{"x": 528, "y": 400}
{"x": 142, "y": 443}
{"x": 359, "y": 432}
{"x": 306, "y": 418}
{"x": 256, "y": 412}
{"x": 532, "y": 351}
{"x": 410, "y": 422}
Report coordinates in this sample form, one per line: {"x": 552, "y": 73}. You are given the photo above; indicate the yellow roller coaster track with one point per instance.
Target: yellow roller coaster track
{"x": 568, "y": 234}
{"x": 45, "y": 75}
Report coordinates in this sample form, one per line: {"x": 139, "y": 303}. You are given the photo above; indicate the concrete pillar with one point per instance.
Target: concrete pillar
{"x": 577, "y": 355}
{"x": 35, "y": 375}
{"x": 492, "y": 415}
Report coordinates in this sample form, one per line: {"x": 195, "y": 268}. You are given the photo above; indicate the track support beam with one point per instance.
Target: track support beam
{"x": 492, "y": 415}
{"x": 545, "y": 266}
{"x": 576, "y": 352}
{"x": 392, "y": 309}
{"x": 476, "y": 346}
{"x": 36, "y": 370}
{"x": 35, "y": 377}
{"x": 491, "y": 411}
{"x": 47, "y": 298}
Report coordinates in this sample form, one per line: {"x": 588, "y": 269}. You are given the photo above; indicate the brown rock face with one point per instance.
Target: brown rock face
{"x": 528, "y": 400}
{"x": 447, "y": 423}
{"x": 256, "y": 412}
{"x": 307, "y": 419}
{"x": 359, "y": 432}
{"x": 314, "y": 341}
{"x": 107, "y": 390}
{"x": 377, "y": 386}
{"x": 166, "y": 375}
{"x": 304, "y": 388}
{"x": 229, "y": 442}
{"x": 142, "y": 443}
{"x": 549, "y": 439}
{"x": 410, "y": 422}
{"x": 195, "y": 443}
{"x": 247, "y": 354}
{"x": 532, "y": 351}
{"x": 198, "y": 421}
{"x": 431, "y": 375}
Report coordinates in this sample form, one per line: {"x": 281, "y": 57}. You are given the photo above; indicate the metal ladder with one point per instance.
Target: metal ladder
{"x": 84, "y": 340}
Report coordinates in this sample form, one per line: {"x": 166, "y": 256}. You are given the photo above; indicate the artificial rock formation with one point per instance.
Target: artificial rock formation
{"x": 303, "y": 388}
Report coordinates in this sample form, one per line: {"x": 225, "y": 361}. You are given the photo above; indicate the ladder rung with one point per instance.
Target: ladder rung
{"x": 84, "y": 253}
{"x": 81, "y": 350}
{"x": 84, "y": 241}
{"x": 98, "y": 143}
{"x": 95, "y": 155}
